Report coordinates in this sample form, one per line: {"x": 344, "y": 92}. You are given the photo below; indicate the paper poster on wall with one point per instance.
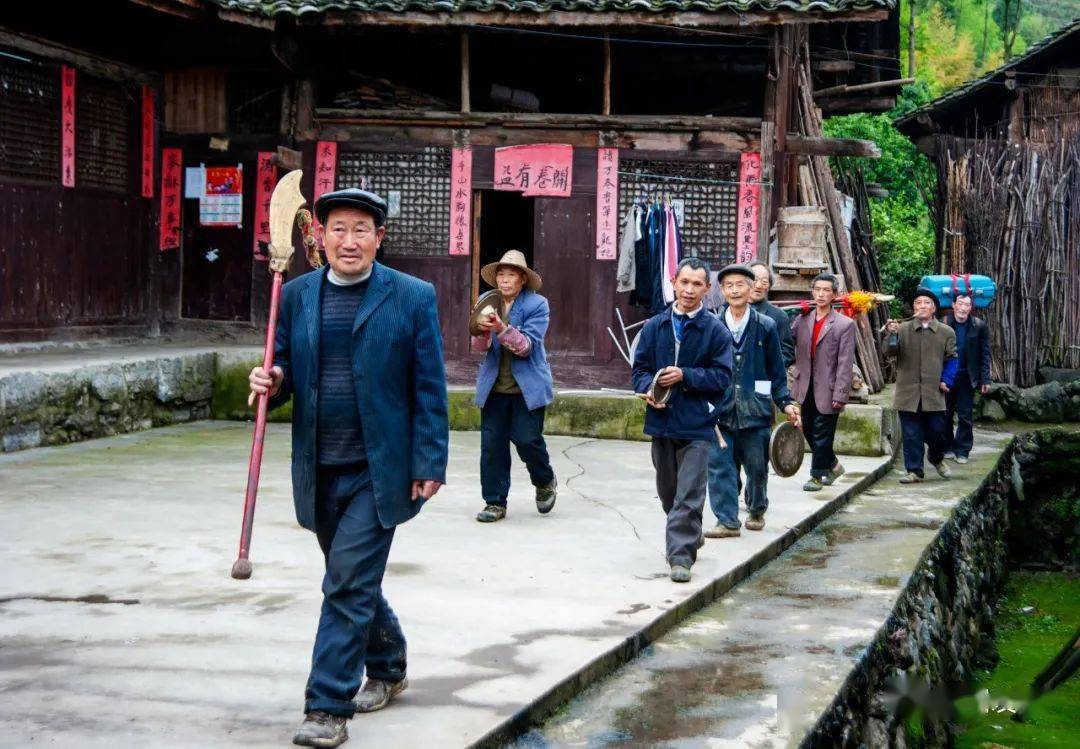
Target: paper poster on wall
{"x": 542, "y": 169}
{"x": 607, "y": 203}
{"x": 222, "y": 202}
{"x": 460, "y": 201}
{"x": 193, "y": 182}
{"x": 746, "y": 231}
{"x": 393, "y": 204}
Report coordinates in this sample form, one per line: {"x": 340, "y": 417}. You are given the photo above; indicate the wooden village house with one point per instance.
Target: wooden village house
{"x": 1007, "y": 151}
{"x": 138, "y": 140}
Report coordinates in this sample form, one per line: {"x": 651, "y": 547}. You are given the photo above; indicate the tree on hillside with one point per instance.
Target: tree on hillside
{"x": 1008, "y": 14}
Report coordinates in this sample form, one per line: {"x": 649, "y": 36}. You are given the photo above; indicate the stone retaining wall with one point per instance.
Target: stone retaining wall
{"x": 942, "y": 627}
{"x": 53, "y": 407}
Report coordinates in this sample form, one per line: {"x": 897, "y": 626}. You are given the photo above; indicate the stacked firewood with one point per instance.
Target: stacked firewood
{"x": 1018, "y": 209}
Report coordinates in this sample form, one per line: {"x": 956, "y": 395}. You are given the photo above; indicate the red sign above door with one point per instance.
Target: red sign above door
{"x": 542, "y": 169}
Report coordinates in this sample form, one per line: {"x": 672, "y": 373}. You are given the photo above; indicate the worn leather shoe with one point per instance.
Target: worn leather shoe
{"x": 722, "y": 531}
{"x": 755, "y": 523}
{"x": 491, "y": 514}
{"x": 545, "y": 497}
{"x": 680, "y": 574}
{"x": 377, "y": 693}
{"x": 322, "y": 729}
{"x": 910, "y": 478}
{"x": 943, "y": 470}
{"x": 834, "y": 473}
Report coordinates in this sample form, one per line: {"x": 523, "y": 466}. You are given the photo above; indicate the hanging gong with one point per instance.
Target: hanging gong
{"x": 786, "y": 448}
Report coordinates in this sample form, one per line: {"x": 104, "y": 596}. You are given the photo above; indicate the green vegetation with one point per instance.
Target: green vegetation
{"x": 1026, "y": 644}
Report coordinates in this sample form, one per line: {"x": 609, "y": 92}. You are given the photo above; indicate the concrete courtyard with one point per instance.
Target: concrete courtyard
{"x": 120, "y": 625}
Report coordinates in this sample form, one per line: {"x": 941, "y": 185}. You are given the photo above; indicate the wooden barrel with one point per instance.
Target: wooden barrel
{"x": 800, "y": 236}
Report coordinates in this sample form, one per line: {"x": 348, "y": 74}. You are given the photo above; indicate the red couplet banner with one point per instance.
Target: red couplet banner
{"x": 265, "y": 179}
{"x": 607, "y": 203}
{"x": 460, "y": 201}
{"x": 746, "y": 233}
{"x": 67, "y": 126}
{"x": 542, "y": 169}
{"x": 172, "y": 160}
{"x": 148, "y": 145}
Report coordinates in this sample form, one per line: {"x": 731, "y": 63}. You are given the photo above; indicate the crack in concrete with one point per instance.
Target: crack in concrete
{"x": 580, "y": 473}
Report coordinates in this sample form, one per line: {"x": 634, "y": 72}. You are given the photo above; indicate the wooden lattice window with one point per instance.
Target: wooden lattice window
{"x": 104, "y": 137}
{"x": 416, "y": 184}
{"x": 29, "y": 120}
{"x": 709, "y": 192}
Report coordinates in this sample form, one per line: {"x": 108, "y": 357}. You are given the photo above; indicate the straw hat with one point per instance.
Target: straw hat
{"x": 514, "y": 259}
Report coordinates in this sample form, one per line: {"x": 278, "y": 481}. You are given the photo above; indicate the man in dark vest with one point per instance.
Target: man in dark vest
{"x": 359, "y": 350}
{"x": 973, "y": 373}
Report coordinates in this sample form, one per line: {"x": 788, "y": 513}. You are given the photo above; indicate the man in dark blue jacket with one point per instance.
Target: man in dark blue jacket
{"x": 745, "y": 419}
{"x": 972, "y": 374}
{"x": 359, "y": 350}
{"x": 686, "y": 351}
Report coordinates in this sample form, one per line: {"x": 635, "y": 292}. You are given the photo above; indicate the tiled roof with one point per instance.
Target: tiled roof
{"x": 271, "y": 8}
{"x": 1051, "y": 42}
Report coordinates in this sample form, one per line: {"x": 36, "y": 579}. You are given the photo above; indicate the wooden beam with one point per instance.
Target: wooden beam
{"x": 466, "y": 94}
{"x": 517, "y": 119}
{"x": 834, "y": 105}
{"x": 768, "y": 173}
{"x": 98, "y": 66}
{"x": 822, "y": 146}
{"x": 607, "y": 75}
{"x": 846, "y": 89}
{"x": 833, "y": 66}
{"x": 566, "y": 19}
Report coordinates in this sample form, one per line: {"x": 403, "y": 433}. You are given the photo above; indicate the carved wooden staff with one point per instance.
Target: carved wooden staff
{"x": 285, "y": 203}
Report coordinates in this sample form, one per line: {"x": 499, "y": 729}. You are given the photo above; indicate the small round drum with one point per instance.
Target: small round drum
{"x": 489, "y": 303}
{"x": 786, "y": 449}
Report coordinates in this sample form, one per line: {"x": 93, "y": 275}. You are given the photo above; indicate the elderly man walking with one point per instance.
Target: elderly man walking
{"x": 926, "y": 366}
{"x": 972, "y": 373}
{"x": 824, "y": 355}
{"x": 686, "y": 352}
{"x": 359, "y": 350}
{"x": 759, "y": 302}
{"x": 745, "y": 419}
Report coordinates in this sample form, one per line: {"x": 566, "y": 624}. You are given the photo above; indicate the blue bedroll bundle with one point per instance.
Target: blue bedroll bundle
{"x": 981, "y": 289}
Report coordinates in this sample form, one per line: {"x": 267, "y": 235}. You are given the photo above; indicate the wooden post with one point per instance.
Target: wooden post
{"x": 768, "y": 134}
{"x": 466, "y": 101}
{"x": 607, "y": 74}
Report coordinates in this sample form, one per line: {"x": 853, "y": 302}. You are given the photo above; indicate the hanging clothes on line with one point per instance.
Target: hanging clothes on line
{"x": 626, "y": 278}
{"x": 649, "y": 253}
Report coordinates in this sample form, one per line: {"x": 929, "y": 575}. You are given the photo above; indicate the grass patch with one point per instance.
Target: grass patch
{"x": 1026, "y": 644}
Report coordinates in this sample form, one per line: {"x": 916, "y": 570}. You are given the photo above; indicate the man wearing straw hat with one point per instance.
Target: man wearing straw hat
{"x": 514, "y": 387}
{"x": 359, "y": 350}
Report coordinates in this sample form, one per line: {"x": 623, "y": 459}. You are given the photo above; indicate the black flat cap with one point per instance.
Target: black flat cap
{"x": 742, "y": 270}
{"x": 353, "y": 198}
{"x": 923, "y": 291}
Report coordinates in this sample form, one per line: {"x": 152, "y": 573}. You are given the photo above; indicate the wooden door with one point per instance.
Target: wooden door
{"x": 563, "y": 250}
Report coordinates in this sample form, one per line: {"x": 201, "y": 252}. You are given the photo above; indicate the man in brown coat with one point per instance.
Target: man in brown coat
{"x": 925, "y": 371}
{"x": 824, "y": 353}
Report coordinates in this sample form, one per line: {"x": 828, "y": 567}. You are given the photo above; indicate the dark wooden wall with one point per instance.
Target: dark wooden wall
{"x": 72, "y": 257}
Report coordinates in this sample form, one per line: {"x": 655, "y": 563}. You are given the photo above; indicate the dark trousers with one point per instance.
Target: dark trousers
{"x": 923, "y": 430}
{"x": 681, "y": 477}
{"x": 959, "y": 403}
{"x": 505, "y": 419}
{"x": 358, "y": 630}
{"x": 747, "y": 450}
{"x": 820, "y": 432}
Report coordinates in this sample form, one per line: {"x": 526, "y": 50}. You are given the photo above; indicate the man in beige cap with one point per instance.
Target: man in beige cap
{"x": 514, "y": 388}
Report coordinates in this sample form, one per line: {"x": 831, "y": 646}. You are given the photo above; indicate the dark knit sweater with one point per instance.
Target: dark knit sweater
{"x": 340, "y": 434}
